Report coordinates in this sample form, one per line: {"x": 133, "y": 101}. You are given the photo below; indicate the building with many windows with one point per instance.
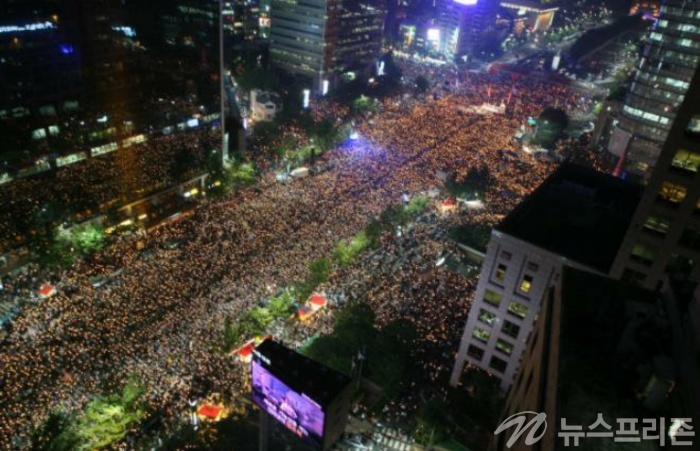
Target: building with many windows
{"x": 320, "y": 39}
{"x": 599, "y": 348}
{"x": 41, "y": 60}
{"x": 577, "y": 217}
{"x": 664, "y": 237}
{"x": 664, "y": 72}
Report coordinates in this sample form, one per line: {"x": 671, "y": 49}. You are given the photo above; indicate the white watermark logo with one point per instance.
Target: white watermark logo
{"x": 539, "y": 420}
{"x": 627, "y": 430}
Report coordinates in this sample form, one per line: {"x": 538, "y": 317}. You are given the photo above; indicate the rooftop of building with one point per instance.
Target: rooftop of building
{"x": 578, "y": 213}
{"x": 302, "y": 374}
{"x": 610, "y": 345}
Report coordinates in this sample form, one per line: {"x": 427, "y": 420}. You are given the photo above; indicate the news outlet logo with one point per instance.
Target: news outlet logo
{"x": 535, "y": 425}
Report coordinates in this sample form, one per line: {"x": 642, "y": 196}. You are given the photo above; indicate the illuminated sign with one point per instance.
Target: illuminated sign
{"x": 325, "y": 87}
{"x": 296, "y": 411}
{"x": 433, "y": 35}
{"x": 128, "y": 31}
{"x": 29, "y": 27}
{"x": 466, "y": 2}
{"x": 307, "y": 94}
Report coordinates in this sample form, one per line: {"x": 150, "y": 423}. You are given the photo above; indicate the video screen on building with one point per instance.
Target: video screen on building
{"x": 296, "y": 411}
{"x": 694, "y": 125}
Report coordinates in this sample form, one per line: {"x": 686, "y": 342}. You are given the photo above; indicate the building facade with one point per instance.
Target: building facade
{"x": 41, "y": 60}
{"x": 664, "y": 72}
{"x": 320, "y": 39}
{"x": 664, "y": 237}
{"x": 592, "y": 337}
{"x": 514, "y": 278}
{"x": 577, "y": 217}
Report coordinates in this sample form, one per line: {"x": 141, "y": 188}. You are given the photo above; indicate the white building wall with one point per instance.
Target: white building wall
{"x": 520, "y": 260}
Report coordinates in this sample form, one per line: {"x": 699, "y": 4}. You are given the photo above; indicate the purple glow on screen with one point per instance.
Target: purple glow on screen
{"x": 295, "y": 411}
{"x": 466, "y": 2}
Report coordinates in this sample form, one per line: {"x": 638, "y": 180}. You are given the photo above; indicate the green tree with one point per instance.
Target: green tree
{"x": 106, "y": 420}
{"x": 280, "y": 306}
{"x": 363, "y": 104}
{"x": 88, "y": 238}
{"x": 550, "y": 126}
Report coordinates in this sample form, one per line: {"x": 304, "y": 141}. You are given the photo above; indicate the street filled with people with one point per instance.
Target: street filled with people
{"x": 161, "y": 314}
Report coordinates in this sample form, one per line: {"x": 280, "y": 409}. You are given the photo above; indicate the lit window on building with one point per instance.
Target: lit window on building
{"x": 492, "y": 297}
{"x": 657, "y": 225}
{"x": 487, "y": 317}
{"x": 501, "y": 272}
{"x": 510, "y": 329}
{"x": 686, "y": 160}
{"x": 475, "y": 352}
{"x": 526, "y": 284}
{"x": 672, "y": 192}
{"x": 499, "y": 365}
{"x": 644, "y": 254}
{"x": 694, "y": 125}
{"x": 517, "y": 309}
{"x": 504, "y": 347}
{"x": 481, "y": 334}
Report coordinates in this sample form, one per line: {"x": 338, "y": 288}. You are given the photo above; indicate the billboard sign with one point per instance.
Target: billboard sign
{"x": 296, "y": 411}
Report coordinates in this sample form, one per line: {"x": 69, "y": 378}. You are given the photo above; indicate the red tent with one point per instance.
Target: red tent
{"x": 317, "y": 301}
{"x": 246, "y": 352}
{"x": 46, "y": 290}
{"x": 209, "y": 411}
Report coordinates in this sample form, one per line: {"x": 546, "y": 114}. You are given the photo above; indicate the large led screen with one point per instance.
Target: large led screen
{"x": 295, "y": 411}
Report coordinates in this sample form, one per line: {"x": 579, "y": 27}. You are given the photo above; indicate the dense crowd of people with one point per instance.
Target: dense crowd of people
{"x": 162, "y": 314}
{"x": 87, "y": 188}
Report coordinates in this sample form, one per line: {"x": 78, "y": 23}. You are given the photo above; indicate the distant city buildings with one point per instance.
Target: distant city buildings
{"x": 577, "y": 217}
{"x": 663, "y": 77}
{"x": 322, "y": 39}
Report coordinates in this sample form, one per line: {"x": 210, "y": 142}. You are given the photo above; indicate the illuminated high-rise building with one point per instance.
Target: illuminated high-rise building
{"x": 476, "y": 17}
{"x": 320, "y": 39}
{"x": 664, "y": 71}
{"x": 664, "y": 237}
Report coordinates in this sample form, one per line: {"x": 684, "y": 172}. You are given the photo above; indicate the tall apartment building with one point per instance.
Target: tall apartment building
{"x": 577, "y": 217}
{"x": 321, "y": 38}
{"x": 664, "y": 237}
{"x": 664, "y": 72}
{"x": 599, "y": 346}
{"x": 475, "y": 19}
